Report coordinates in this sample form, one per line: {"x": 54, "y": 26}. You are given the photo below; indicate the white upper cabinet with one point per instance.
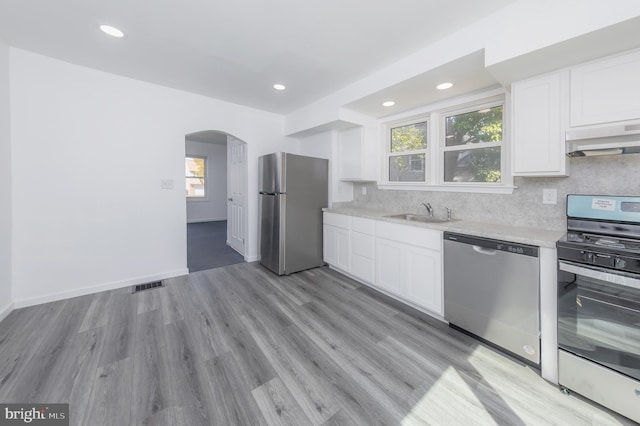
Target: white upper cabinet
{"x": 605, "y": 91}
{"x": 539, "y": 122}
{"x": 357, "y": 154}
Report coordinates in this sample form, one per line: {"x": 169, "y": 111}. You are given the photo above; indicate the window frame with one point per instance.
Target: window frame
{"x": 426, "y": 151}
{"x": 205, "y": 197}
{"x": 435, "y": 114}
{"x": 474, "y": 107}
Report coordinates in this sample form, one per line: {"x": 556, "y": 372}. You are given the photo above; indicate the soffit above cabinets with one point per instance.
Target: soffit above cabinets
{"x": 468, "y": 74}
{"x": 604, "y": 42}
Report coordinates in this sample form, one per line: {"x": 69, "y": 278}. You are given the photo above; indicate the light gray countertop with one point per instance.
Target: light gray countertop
{"x": 533, "y": 236}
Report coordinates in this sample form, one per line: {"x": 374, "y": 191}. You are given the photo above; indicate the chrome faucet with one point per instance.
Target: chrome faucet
{"x": 428, "y": 207}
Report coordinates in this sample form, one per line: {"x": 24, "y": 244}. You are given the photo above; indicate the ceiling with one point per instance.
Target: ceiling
{"x": 468, "y": 72}
{"x": 236, "y": 50}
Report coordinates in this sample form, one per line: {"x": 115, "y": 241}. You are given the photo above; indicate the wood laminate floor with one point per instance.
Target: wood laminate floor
{"x": 238, "y": 345}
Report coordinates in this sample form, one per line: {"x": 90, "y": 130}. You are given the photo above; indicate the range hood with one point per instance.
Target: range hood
{"x": 609, "y": 140}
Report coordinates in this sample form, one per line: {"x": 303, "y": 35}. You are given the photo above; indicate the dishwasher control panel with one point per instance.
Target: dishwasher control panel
{"x": 491, "y": 244}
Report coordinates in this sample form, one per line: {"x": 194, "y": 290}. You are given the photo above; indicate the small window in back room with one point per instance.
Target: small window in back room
{"x": 196, "y": 175}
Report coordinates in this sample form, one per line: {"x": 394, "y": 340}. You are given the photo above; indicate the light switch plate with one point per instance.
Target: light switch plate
{"x": 549, "y": 196}
{"x": 166, "y": 183}
{"x": 364, "y": 190}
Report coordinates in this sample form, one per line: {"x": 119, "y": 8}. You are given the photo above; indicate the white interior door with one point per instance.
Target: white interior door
{"x": 236, "y": 194}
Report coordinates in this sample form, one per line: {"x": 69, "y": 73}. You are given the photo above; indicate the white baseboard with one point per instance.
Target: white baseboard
{"x": 211, "y": 219}
{"x": 61, "y": 295}
{"x": 5, "y": 311}
{"x": 252, "y": 258}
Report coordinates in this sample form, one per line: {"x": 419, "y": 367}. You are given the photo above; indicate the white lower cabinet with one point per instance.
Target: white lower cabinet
{"x": 389, "y": 265}
{"x": 423, "y": 278}
{"x": 336, "y": 245}
{"x": 362, "y": 256}
{"x": 349, "y": 245}
{"x": 411, "y": 272}
{"x": 402, "y": 260}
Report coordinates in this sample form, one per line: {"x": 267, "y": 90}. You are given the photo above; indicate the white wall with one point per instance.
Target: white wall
{"x": 214, "y": 205}
{"x": 6, "y": 302}
{"x": 89, "y": 150}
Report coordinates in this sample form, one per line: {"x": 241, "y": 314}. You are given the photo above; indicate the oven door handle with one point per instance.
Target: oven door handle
{"x": 614, "y": 278}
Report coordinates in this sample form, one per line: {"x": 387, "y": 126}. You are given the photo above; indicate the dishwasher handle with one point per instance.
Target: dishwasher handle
{"x": 485, "y": 251}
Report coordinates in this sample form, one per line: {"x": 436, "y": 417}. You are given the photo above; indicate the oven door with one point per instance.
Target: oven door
{"x": 599, "y": 316}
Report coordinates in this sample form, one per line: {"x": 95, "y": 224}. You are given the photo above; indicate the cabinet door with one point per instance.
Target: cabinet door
{"x": 336, "y": 247}
{"x": 539, "y": 121}
{"x": 423, "y": 278}
{"x": 606, "y": 90}
{"x": 362, "y": 256}
{"x": 357, "y": 154}
{"x": 350, "y": 153}
{"x": 389, "y": 266}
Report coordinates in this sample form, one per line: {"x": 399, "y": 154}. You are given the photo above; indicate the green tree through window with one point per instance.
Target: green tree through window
{"x": 411, "y": 142}
{"x": 473, "y": 130}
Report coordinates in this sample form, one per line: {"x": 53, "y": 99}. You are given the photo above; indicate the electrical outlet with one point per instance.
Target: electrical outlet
{"x": 364, "y": 190}
{"x": 549, "y": 196}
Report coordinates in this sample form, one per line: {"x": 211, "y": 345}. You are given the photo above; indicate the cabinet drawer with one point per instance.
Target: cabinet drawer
{"x": 421, "y": 237}
{"x": 362, "y": 245}
{"x": 604, "y": 386}
{"x": 339, "y": 220}
{"x": 365, "y": 226}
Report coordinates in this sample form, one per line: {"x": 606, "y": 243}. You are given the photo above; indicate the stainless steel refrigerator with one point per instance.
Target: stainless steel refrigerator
{"x": 293, "y": 191}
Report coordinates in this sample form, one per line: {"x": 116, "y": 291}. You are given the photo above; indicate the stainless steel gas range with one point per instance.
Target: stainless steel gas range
{"x": 599, "y": 301}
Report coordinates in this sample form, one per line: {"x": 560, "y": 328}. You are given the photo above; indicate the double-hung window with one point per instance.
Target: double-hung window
{"x": 196, "y": 175}
{"x": 452, "y": 147}
{"x": 408, "y": 149}
{"x": 472, "y": 144}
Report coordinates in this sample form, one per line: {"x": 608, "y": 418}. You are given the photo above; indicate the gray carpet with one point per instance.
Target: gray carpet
{"x": 207, "y": 247}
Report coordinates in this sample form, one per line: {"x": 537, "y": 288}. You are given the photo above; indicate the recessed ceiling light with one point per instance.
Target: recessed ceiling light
{"x": 279, "y": 86}
{"x": 444, "y": 86}
{"x": 112, "y": 31}
{"x": 388, "y": 103}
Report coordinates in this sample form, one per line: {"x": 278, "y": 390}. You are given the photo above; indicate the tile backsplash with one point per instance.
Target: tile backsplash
{"x": 607, "y": 175}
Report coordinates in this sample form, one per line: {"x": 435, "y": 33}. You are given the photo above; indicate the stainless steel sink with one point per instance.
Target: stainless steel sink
{"x": 417, "y": 218}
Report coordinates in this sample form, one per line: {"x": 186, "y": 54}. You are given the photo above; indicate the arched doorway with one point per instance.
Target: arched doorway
{"x": 215, "y": 183}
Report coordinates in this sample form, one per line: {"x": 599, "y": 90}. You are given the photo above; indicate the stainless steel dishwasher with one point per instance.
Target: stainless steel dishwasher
{"x": 491, "y": 290}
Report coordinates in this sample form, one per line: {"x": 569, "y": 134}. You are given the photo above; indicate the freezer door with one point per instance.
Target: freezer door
{"x": 271, "y": 173}
{"x": 272, "y": 215}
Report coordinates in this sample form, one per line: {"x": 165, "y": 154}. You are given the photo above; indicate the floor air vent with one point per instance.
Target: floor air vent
{"x": 147, "y": 286}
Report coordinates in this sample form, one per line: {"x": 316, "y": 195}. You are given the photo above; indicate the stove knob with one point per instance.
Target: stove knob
{"x": 588, "y": 257}
{"x": 619, "y": 263}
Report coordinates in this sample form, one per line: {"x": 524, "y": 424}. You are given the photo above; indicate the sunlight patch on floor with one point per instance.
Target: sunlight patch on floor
{"x": 449, "y": 401}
